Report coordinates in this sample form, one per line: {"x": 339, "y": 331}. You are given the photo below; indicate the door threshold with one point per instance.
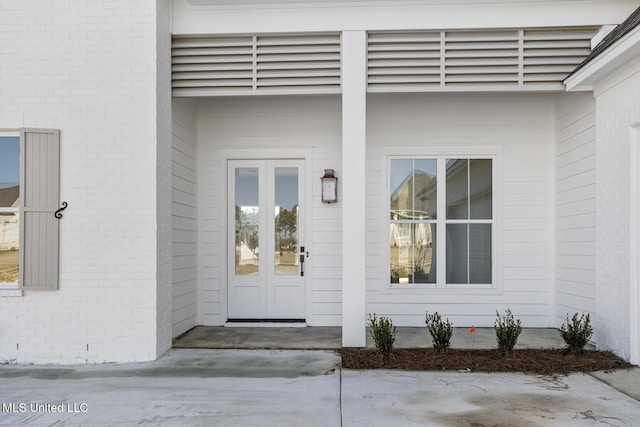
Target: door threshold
{"x": 265, "y": 324}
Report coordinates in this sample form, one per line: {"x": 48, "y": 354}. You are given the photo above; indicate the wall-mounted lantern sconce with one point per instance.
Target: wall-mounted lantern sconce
{"x": 329, "y": 187}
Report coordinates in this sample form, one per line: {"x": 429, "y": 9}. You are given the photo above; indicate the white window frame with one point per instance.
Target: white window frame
{"x": 11, "y": 289}
{"x": 442, "y": 153}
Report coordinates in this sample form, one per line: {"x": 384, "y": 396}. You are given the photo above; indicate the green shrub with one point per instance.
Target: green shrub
{"x": 576, "y": 333}
{"x": 440, "y": 331}
{"x": 383, "y": 333}
{"x": 507, "y": 332}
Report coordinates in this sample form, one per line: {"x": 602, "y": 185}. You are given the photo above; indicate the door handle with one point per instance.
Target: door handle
{"x": 301, "y": 257}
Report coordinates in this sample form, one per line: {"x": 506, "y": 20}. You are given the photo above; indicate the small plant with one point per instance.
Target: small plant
{"x": 384, "y": 334}
{"x": 576, "y": 333}
{"x": 507, "y": 332}
{"x": 440, "y": 331}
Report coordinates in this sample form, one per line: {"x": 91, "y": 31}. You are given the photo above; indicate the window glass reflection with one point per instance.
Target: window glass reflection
{"x": 457, "y": 253}
{"x": 412, "y": 254}
{"x": 9, "y": 246}
{"x": 479, "y": 253}
{"x": 9, "y": 209}
{"x": 480, "y": 189}
{"x": 413, "y": 189}
{"x": 401, "y": 198}
{"x": 9, "y": 172}
{"x": 425, "y": 189}
{"x": 247, "y": 221}
{"x": 286, "y": 221}
{"x": 469, "y": 253}
{"x": 467, "y": 221}
{"x": 457, "y": 189}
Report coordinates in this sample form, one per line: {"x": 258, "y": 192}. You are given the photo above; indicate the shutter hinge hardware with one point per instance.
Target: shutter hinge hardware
{"x": 58, "y": 213}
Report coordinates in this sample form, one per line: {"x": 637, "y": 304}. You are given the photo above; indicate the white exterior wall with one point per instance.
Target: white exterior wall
{"x": 184, "y": 211}
{"x": 219, "y": 16}
{"x": 523, "y": 126}
{"x": 300, "y": 123}
{"x": 99, "y": 72}
{"x": 575, "y": 205}
{"x": 90, "y": 69}
{"x": 617, "y": 111}
{"x": 163, "y": 178}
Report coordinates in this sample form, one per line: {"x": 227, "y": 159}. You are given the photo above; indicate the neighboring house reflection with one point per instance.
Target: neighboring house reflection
{"x": 9, "y": 235}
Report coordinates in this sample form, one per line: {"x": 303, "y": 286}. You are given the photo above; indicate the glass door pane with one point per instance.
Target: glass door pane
{"x": 247, "y": 222}
{"x": 286, "y": 221}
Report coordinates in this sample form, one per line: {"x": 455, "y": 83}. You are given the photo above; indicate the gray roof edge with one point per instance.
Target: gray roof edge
{"x": 612, "y": 38}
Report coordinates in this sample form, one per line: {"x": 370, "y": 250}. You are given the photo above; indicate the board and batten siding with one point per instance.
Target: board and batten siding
{"x": 39, "y": 195}
{"x": 523, "y": 127}
{"x": 300, "y": 124}
{"x": 184, "y": 188}
{"x": 575, "y": 205}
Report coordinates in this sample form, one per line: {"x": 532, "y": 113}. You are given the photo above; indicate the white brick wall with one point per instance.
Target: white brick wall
{"x": 575, "y": 205}
{"x": 89, "y": 69}
{"x": 164, "y": 327}
{"x": 617, "y": 110}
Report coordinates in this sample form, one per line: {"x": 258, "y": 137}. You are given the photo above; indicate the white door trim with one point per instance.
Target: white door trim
{"x": 303, "y": 153}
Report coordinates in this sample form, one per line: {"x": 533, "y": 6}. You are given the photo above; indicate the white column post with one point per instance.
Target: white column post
{"x": 354, "y": 94}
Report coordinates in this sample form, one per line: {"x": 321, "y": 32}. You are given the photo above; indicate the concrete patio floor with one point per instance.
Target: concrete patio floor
{"x": 203, "y": 387}
{"x": 325, "y": 338}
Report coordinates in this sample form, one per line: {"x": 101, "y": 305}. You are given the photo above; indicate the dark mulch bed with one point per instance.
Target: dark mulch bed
{"x": 533, "y": 361}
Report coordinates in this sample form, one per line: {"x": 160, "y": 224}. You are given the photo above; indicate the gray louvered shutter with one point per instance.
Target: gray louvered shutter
{"x": 39, "y": 194}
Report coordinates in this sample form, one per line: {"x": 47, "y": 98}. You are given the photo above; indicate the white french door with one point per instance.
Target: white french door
{"x": 265, "y": 247}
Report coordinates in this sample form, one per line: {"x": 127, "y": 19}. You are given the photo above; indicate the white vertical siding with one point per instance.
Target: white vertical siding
{"x": 305, "y": 122}
{"x": 522, "y": 125}
{"x": 184, "y": 183}
{"x": 575, "y": 205}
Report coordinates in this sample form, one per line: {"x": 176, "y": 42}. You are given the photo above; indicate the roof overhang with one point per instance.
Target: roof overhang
{"x": 610, "y": 61}
{"x": 203, "y": 17}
